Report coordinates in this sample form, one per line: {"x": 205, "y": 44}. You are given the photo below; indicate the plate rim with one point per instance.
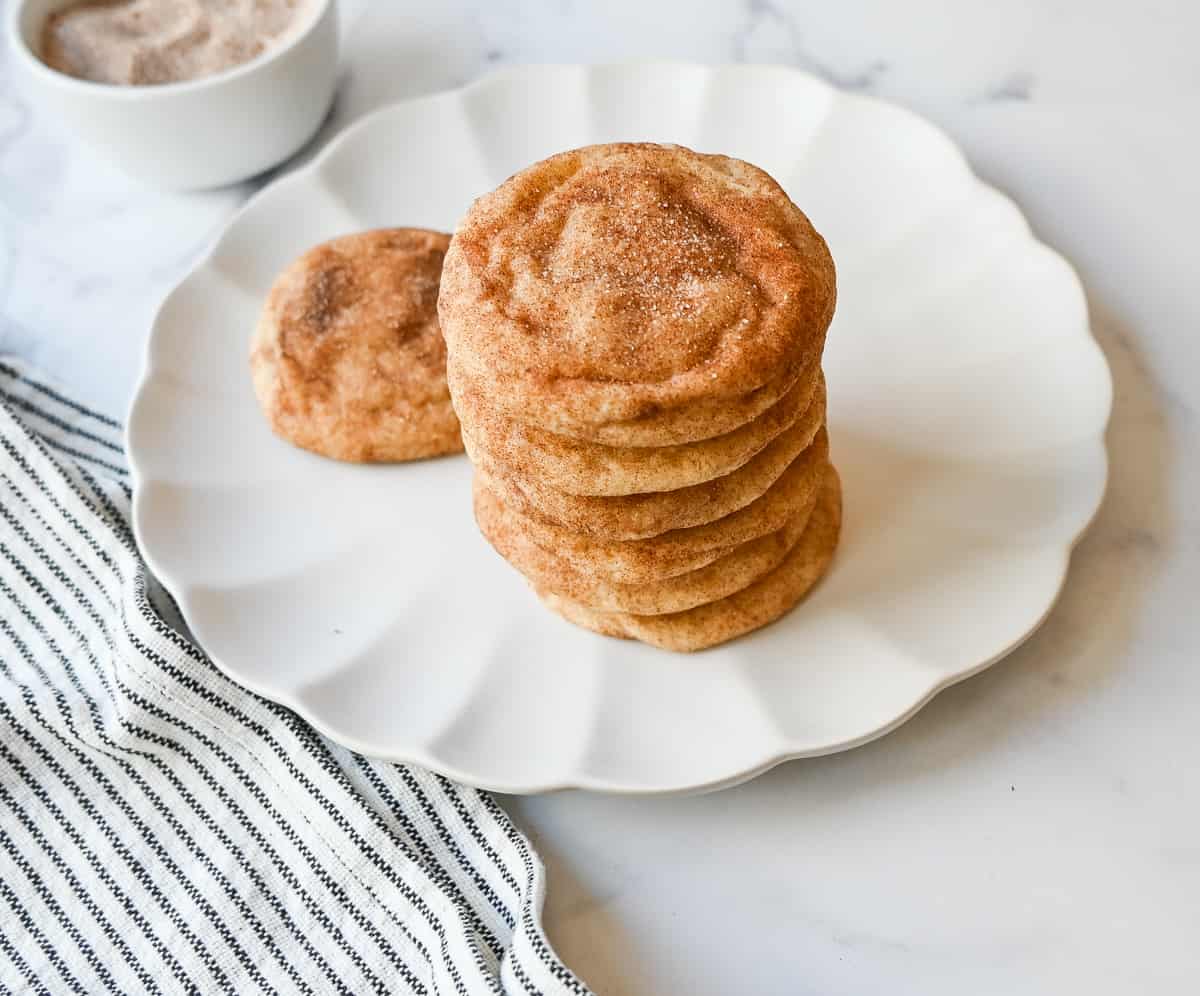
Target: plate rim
{"x": 580, "y": 780}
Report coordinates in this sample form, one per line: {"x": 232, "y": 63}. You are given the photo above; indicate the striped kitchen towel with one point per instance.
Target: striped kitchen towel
{"x": 164, "y": 831}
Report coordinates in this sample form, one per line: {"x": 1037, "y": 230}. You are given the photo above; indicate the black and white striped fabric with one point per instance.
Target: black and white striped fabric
{"x": 164, "y": 831}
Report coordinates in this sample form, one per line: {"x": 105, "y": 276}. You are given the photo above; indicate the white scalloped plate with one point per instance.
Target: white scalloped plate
{"x": 968, "y": 402}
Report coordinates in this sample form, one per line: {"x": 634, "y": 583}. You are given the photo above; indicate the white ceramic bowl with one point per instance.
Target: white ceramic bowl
{"x": 200, "y": 133}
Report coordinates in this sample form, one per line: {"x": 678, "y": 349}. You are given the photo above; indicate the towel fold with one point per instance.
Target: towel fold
{"x": 163, "y": 830}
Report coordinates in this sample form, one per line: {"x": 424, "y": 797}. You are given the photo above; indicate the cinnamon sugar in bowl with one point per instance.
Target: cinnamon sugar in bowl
{"x": 203, "y": 109}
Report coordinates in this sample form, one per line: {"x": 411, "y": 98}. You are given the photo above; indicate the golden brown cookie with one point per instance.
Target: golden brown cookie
{"x": 547, "y": 572}
{"x": 348, "y": 358}
{"x": 627, "y": 282}
{"x": 585, "y": 468}
{"x": 753, "y": 607}
{"x": 700, "y": 419}
{"x": 680, "y": 550}
{"x": 628, "y": 517}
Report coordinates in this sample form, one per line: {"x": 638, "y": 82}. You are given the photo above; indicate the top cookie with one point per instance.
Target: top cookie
{"x": 621, "y": 282}
{"x": 348, "y": 359}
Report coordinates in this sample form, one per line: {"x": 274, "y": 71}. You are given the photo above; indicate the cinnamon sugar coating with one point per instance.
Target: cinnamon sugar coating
{"x": 627, "y": 282}
{"x": 586, "y": 468}
{"x": 764, "y": 601}
{"x": 348, "y": 358}
{"x": 680, "y": 550}
{"x": 628, "y": 517}
{"x": 742, "y": 565}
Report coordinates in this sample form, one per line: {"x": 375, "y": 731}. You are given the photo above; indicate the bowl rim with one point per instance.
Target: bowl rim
{"x": 25, "y": 53}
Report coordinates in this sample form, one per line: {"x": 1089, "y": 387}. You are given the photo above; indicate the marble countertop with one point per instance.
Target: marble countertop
{"x": 1033, "y": 830}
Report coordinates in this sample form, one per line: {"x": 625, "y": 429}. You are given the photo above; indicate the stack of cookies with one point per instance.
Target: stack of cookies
{"x": 634, "y": 337}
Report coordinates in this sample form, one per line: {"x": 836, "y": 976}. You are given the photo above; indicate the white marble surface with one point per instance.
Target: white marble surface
{"x": 1035, "y": 830}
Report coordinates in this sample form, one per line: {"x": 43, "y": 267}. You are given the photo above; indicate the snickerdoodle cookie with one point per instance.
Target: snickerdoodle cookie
{"x": 604, "y": 292}
{"x": 629, "y": 517}
{"x": 348, "y": 358}
{"x": 547, "y": 572}
{"x": 585, "y": 468}
{"x": 680, "y": 550}
{"x": 762, "y": 602}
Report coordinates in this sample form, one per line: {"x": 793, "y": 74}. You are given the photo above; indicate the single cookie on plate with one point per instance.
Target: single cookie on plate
{"x": 348, "y": 359}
